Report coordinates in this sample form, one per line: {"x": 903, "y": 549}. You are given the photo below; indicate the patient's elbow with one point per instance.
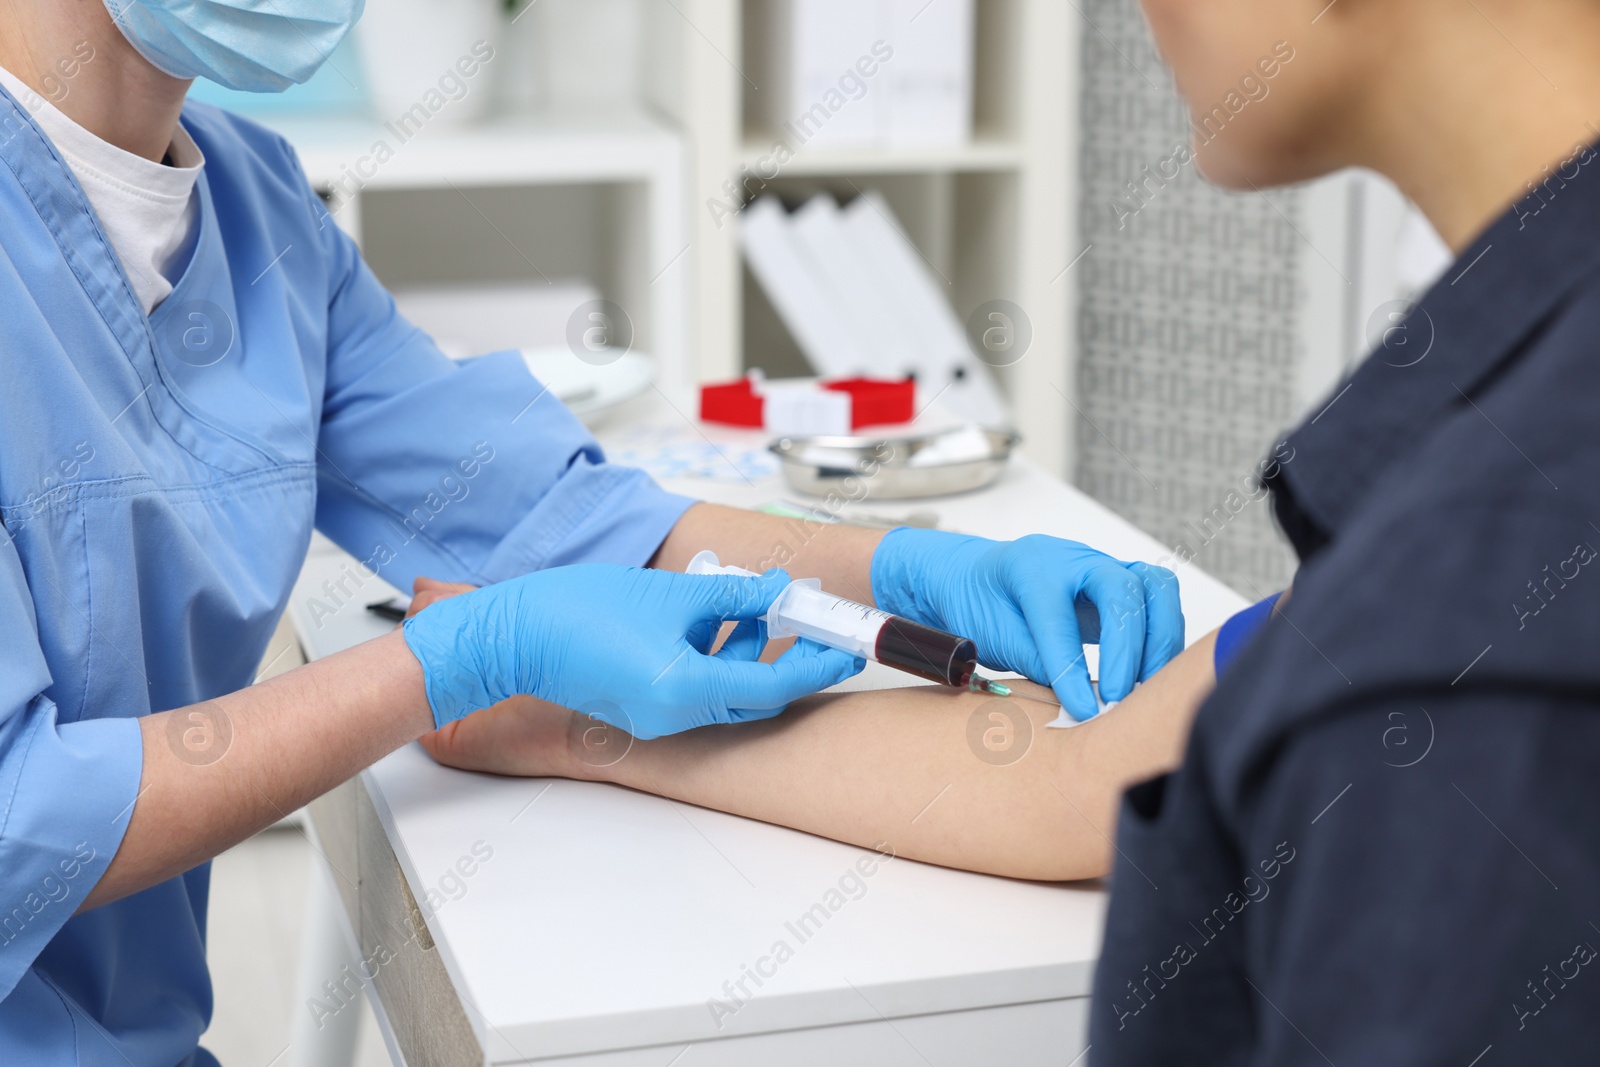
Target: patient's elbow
{"x": 1070, "y": 861}
{"x": 1067, "y": 857}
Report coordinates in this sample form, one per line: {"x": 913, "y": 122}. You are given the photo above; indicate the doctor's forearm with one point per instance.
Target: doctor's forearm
{"x": 216, "y": 772}
{"x": 840, "y": 555}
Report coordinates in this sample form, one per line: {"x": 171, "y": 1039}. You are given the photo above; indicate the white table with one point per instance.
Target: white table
{"x": 603, "y": 921}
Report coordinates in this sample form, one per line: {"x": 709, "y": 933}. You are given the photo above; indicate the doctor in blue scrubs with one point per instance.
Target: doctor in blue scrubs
{"x": 196, "y": 369}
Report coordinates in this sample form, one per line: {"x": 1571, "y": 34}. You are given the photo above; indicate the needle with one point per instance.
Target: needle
{"x": 1000, "y": 689}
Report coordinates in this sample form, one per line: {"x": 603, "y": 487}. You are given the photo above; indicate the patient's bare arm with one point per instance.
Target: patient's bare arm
{"x": 964, "y": 780}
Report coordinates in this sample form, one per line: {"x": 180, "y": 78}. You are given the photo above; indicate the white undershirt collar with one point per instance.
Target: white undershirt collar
{"x": 148, "y": 209}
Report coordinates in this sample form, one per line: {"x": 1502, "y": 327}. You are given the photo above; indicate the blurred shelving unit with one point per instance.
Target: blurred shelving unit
{"x": 992, "y": 154}
{"x": 993, "y": 217}
{"x": 532, "y": 197}
{"x": 510, "y": 150}
{"x": 621, "y": 196}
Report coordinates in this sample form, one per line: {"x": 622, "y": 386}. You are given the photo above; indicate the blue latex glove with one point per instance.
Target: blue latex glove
{"x": 1031, "y": 605}
{"x": 625, "y": 645}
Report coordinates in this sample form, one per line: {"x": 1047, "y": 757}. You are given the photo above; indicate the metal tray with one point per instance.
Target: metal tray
{"x": 882, "y": 468}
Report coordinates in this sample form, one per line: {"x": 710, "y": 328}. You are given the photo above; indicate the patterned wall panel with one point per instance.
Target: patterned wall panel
{"x": 1188, "y": 343}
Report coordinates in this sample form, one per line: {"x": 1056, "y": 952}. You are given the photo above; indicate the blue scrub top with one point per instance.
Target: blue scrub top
{"x": 159, "y": 481}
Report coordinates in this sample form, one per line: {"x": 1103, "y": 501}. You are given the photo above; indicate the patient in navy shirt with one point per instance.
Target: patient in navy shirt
{"x": 1383, "y": 845}
{"x": 1380, "y": 841}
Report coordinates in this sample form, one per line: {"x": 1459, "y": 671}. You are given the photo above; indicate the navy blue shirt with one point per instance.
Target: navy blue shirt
{"x": 1383, "y": 845}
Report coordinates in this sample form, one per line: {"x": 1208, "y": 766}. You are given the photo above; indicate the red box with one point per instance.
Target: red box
{"x": 731, "y": 403}
{"x": 872, "y": 401}
{"x": 875, "y": 400}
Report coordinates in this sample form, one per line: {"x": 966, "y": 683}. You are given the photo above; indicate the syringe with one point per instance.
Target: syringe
{"x": 804, "y": 610}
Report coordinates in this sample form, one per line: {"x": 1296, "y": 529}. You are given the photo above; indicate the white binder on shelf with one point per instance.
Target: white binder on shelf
{"x": 819, "y": 228}
{"x": 805, "y": 48}
{"x": 946, "y": 366}
{"x": 860, "y": 73}
{"x": 929, "y": 80}
{"x": 858, "y": 298}
{"x": 798, "y": 293}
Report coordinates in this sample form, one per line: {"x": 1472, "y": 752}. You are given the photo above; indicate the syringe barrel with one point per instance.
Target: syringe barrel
{"x": 804, "y": 610}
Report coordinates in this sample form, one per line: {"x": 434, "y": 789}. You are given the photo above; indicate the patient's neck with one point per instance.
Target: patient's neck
{"x": 1465, "y": 138}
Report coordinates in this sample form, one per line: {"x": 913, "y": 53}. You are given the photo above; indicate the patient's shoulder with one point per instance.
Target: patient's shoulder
{"x": 1476, "y": 569}
{"x": 1488, "y": 534}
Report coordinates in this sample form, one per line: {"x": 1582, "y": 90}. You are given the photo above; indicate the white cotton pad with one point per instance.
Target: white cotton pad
{"x": 966, "y": 445}
{"x": 1064, "y": 721}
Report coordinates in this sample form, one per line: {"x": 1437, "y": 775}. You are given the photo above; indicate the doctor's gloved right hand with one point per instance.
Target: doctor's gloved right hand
{"x": 625, "y": 645}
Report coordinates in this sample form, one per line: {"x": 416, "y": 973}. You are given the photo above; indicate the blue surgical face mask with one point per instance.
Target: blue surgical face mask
{"x": 259, "y": 46}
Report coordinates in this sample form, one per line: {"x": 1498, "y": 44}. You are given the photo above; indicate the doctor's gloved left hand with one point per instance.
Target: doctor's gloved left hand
{"x": 1031, "y": 605}
{"x": 627, "y": 646}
